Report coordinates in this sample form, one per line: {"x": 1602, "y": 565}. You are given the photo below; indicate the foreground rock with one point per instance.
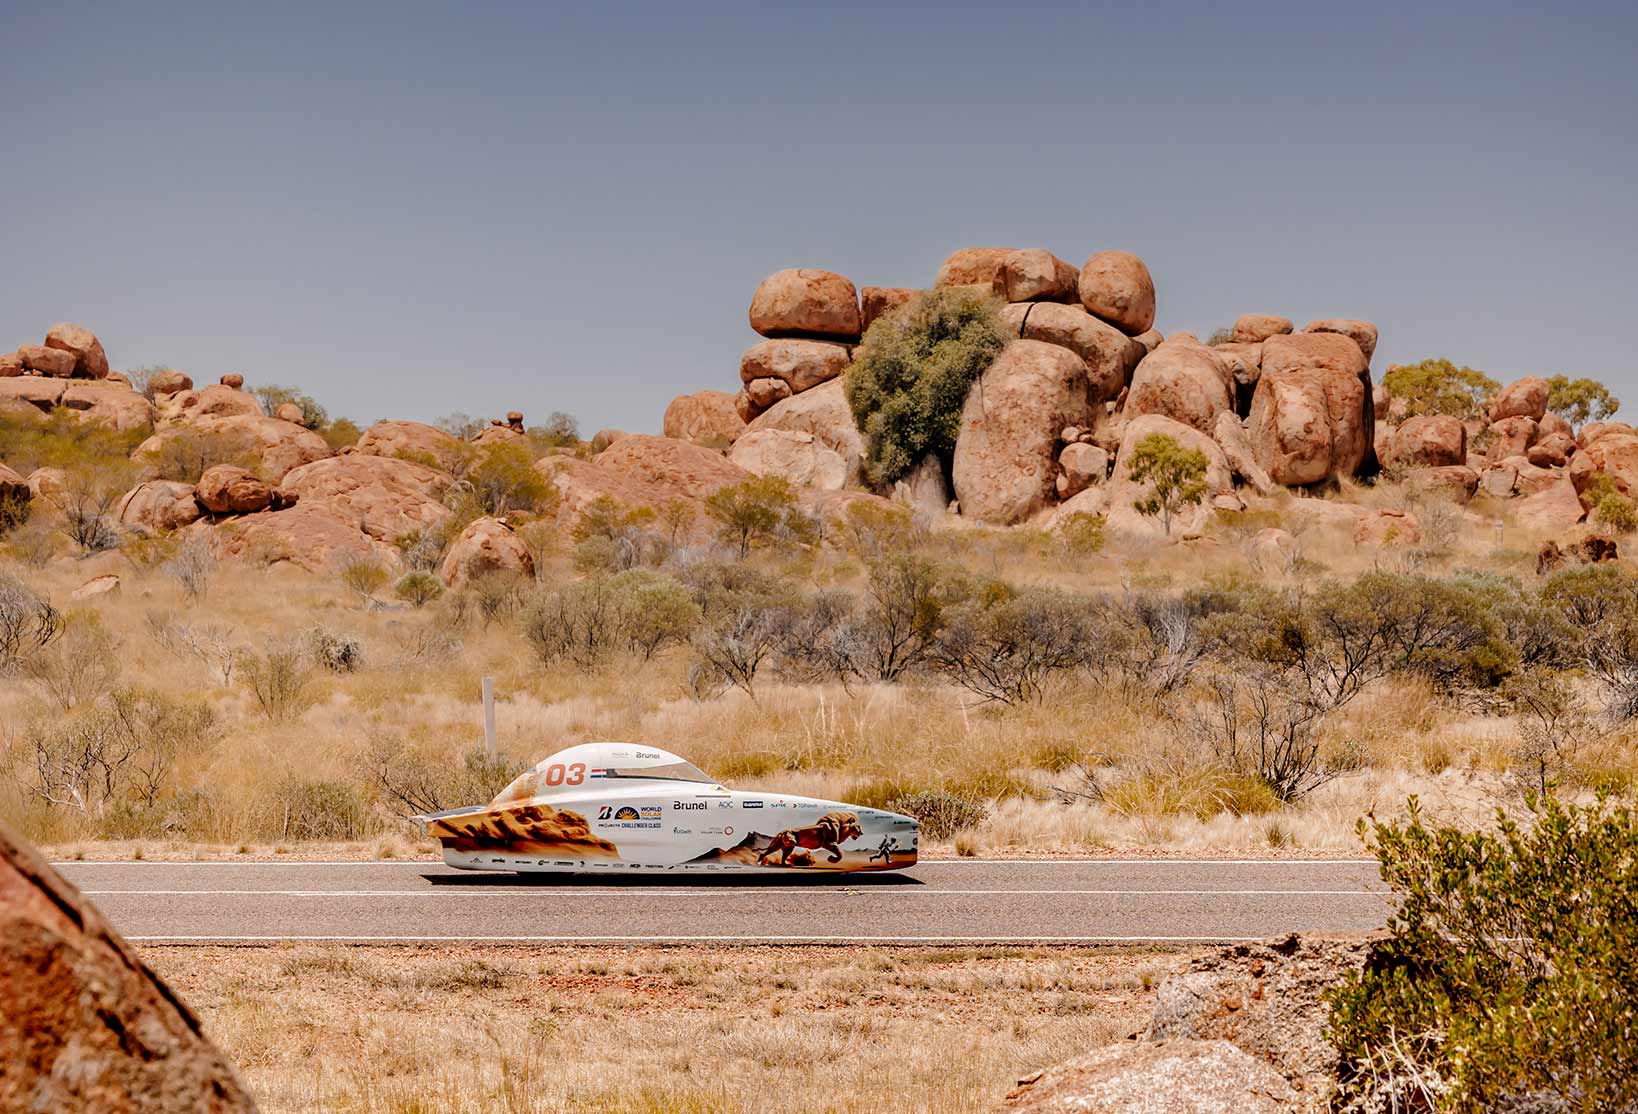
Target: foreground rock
{"x": 1522, "y": 398}
{"x": 227, "y": 489}
{"x": 1184, "y": 381}
{"x": 313, "y": 538}
{"x": 86, "y": 1026}
{"x": 672, "y": 466}
{"x": 1307, "y": 424}
{"x": 1005, "y": 463}
{"x": 804, "y": 302}
{"x": 1171, "y": 1077}
{"x": 487, "y": 546}
{"x": 1268, "y": 999}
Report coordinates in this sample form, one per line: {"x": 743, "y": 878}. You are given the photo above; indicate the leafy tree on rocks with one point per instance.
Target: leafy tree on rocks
{"x": 1177, "y": 477}
{"x": 1580, "y": 400}
{"x": 911, "y": 373}
{"x": 272, "y": 396}
{"x": 1440, "y": 387}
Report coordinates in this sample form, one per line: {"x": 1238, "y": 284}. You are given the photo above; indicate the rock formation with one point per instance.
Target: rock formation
{"x": 86, "y": 1025}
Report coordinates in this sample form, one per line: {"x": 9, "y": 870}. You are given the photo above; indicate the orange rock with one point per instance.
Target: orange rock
{"x": 312, "y": 538}
{"x": 1184, "y": 381}
{"x": 280, "y": 446}
{"x": 1110, "y": 355}
{"x": 806, "y": 302}
{"x": 1006, "y": 451}
{"x": 169, "y": 381}
{"x": 1382, "y": 528}
{"x": 227, "y": 489}
{"x": 977, "y": 267}
{"x": 417, "y": 441}
{"x": 1330, "y": 351}
{"x": 704, "y": 417}
{"x": 1254, "y": 328}
{"x": 877, "y": 300}
{"x": 802, "y": 364}
{"x": 673, "y": 466}
{"x": 90, "y": 361}
{"x": 1522, "y": 398}
{"x": 798, "y": 457}
{"x": 1427, "y": 441}
{"x": 486, "y": 546}
{"x": 157, "y": 506}
{"x": 1362, "y": 333}
{"x": 88, "y": 1026}
{"x": 388, "y": 498}
{"x": 41, "y": 360}
{"x": 1512, "y": 437}
{"x": 1036, "y": 275}
{"x": 1116, "y": 286}
{"x": 823, "y": 412}
{"x": 1308, "y": 424}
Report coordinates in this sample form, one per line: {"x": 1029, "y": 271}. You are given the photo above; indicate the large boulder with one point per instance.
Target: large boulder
{"x": 228, "y": 489}
{"x": 678, "y": 467}
{"x": 1427, "y": 441}
{"x": 1329, "y": 351}
{"x": 216, "y": 401}
{"x": 1362, "y": 333}
{"x": 1585, "y": 436}
{"x": 1230, "y": 435}
{"x": 1455, "y": 482}
{"x": 113, "y": 404}
{"x": 1615, "y": 455}
{"x": 1254, "y": 328}
{"x": 157, "y": 507}
{"x": 1116, "y": 286}
{"x": 1156, "y": 1077}
{"x": 1522, "y": 398}
{"x": 1182, "y": 380}
{"x": 1005, "y": 456}
{"x": 803, "y": 302}
{"x": 1554, "y": 509}
{"x": 1308, "y": 424}
{"x": 313, "y": 538}
{"x": 823, "y": 412}
{"x": 1080, "y": 466}
{"x": 417, "y": 441}
{"x": 925, "y": 489}
{"x": 1511, "y": 436}
{"x": 488, "y": 545}
{"x": 1551, "y": 451}
{"x": 1036, "y": 275}
{"x": 86, "y": 1025}
{"x": 388, "y": 498}
{"x": 169, "y": 381}
{"x": 979, "y": 267}
{"x": 51, "y": 362}
{"x": 874, "y": 301}
{"x": 704, "y": 417}
{"x": 1383, "y": 528}
{"x": 279, "y": 446}
{"x": 1267, "y": 999}
{"x": 1110, "y": 355}
{"x": 90, "y": 361}
{"x": 799, "y": 457}
{"x": 800, "y": 364}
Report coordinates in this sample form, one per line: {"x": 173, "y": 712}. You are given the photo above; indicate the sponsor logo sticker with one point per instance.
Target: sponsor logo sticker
{"x": 687, "y": 806}
{"x": 752, "y": 804}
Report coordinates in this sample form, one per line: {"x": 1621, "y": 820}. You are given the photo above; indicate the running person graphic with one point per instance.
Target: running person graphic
{"x": 885, "y": 851}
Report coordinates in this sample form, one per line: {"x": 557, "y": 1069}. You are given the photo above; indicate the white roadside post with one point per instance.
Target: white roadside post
{"x": 489, "y": 716}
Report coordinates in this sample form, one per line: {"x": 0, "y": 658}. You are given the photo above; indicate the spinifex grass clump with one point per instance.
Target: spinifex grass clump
{"x": 910, "y": 377}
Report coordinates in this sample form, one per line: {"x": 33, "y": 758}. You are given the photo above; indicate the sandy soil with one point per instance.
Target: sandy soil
{"x": 398, "y": 1029}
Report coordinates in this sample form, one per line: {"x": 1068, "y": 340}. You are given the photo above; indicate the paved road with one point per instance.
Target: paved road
{"x": 964, "y": 901}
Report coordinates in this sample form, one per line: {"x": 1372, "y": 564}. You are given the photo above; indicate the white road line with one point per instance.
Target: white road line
{"x": 872, "y": 891}
{"x": 424, "y": 863}
{"x": 697, "y": 939}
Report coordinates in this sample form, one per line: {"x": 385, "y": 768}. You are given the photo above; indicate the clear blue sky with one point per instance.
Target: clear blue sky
{"x": 415, "y": 208}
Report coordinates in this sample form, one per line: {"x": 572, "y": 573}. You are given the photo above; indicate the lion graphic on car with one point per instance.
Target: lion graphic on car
{"x": 832, "y": 830}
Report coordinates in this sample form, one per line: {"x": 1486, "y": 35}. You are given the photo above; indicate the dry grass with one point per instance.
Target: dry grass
{"x": 1093, "y": 767}
{"x": 394, "y": 1030}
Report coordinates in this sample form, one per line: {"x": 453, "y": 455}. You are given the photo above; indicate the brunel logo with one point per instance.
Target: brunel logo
{"x": 685, "y": 805}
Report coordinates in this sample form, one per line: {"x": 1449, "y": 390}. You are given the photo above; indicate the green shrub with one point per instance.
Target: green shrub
{"x": 911, "y": 373}
{"x": 418, "y": 588}
{"x": 1507, "y": 976}
{"x": 940, "y": 814}
{"x": 1616, "y": 511}
{"x": 1440, "y": 387}
{"x": 305, "y": 809}
{"x": 272, "y": 396}
{"x": 1082, "y": 534}
{"x": 753, "y": 511}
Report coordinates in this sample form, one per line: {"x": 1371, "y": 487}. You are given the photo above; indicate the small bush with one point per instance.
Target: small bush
{"x": 27, "y": 622}
{"x": 364, "y": 575}
{"x": 1003, "y": 645}
{"x": 280, "y": 679}
{"x": 1616, "y": 512}
{"x": 940, "y": 814}
{"x": 335, "y": 652}
{"x": 1176, "y": 477}
{"x": 911, "y": 374}
{"x": 752, "y": 511}
{"x": 272, "y": 396}
{"x": 184, "y": 455}
{"x": 192, "y": 566}
{"x": 79, "y": 667}
{"x": 330, "y": 810}
{"x": 418, "y": 588}
{"x": 1506, "y": 979}
{"x": 1082, "y": 534}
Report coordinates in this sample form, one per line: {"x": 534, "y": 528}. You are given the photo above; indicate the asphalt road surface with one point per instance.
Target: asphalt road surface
{"x": 949, "y": 902}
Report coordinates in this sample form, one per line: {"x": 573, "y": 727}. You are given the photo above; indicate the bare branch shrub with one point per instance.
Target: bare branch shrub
{"x": 79, "y": 667}
{"x": 280, "y": 679}
{"x": 192, "y": 567}
{"x": 27, "y": 622}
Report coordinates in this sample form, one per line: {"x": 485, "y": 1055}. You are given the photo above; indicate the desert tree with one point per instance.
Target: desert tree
{"x": 1176, "y": 477}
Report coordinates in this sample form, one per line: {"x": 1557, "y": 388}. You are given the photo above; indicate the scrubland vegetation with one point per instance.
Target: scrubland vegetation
{"x": 1021, "y": 689}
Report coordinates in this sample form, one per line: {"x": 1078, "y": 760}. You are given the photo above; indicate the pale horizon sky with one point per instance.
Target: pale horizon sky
{"x": 419, "y": 208}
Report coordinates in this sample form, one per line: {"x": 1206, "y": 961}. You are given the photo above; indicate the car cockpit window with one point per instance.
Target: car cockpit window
{"x": 674, "y": 771}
